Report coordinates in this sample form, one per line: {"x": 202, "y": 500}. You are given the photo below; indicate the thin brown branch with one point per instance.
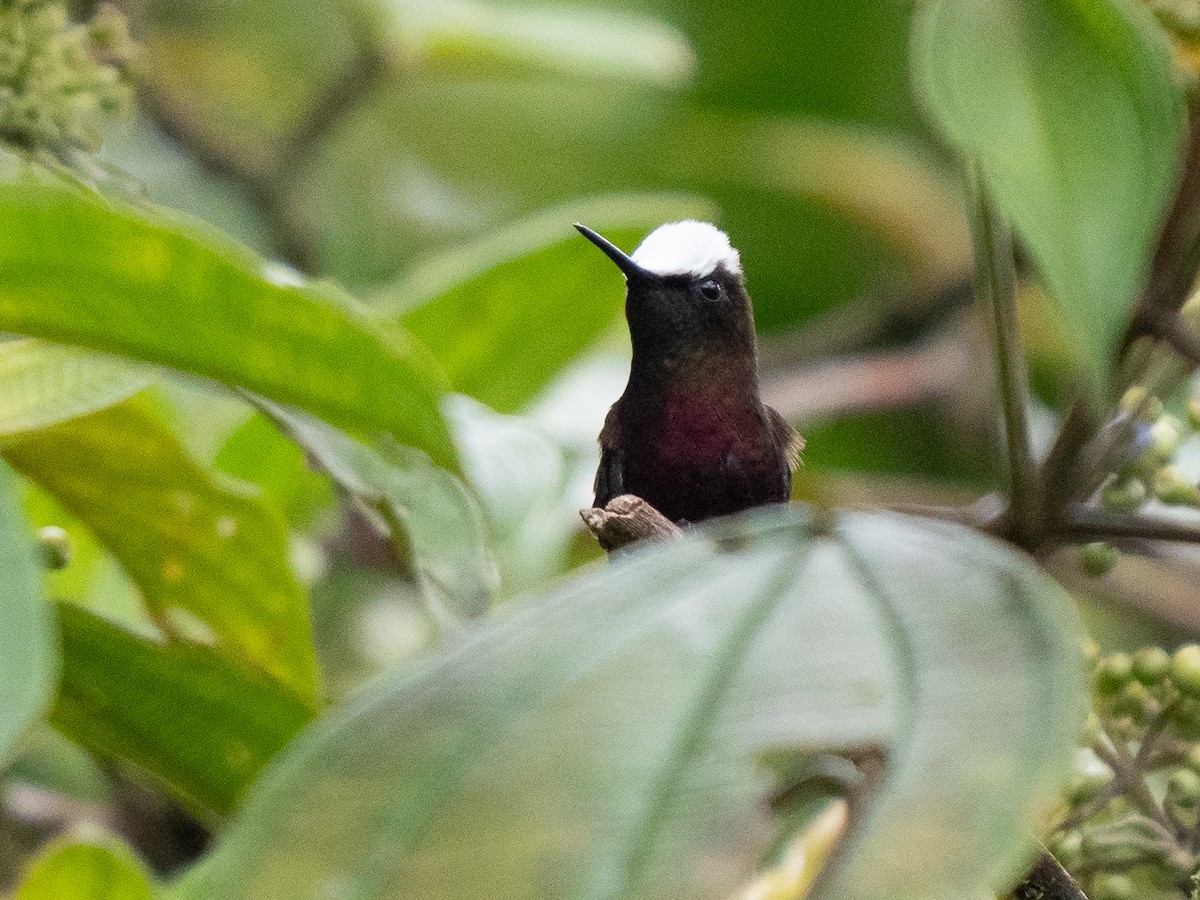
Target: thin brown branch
{"x": 250, "y": 177}
{"x": 887, "y": 379}
{"x": 1084, "y": 523}
{"x": 1134, "y": 788}
{"x": 1061, "y": 475}
{"x": 1091, "y": 808}
{"x": 1177, "y": 255}
{"x": 360, "y": 78}
{"x": 1153, "y": 732}
{"x": 1170, "y": 328}
{"x": 267, "y": 184}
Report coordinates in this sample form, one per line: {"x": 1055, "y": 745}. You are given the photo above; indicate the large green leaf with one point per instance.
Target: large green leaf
{"x": 200, "y": 723}
{"x": 611, "y": 740}
{"x": 27, "y": 655}
{"x": 437, "y": 527}
{"x": 86, "y": 866}
{"x": 199, "y": 546}
{"x": 1071, "y": 109}
{"x": 137, "y": 282}
{"x": 480, "y": 39}
{"x": 43, "y": 383}
{"x": 504, "y": 315}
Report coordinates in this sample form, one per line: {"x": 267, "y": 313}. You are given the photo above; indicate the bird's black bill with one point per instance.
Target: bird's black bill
{"x": 613, "y": 252}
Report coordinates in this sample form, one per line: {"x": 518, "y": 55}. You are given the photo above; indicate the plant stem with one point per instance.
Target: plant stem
{"x": 996, "y": 285}
{"x": 1083, "y": 523}
{"x": 1134, "y": 788}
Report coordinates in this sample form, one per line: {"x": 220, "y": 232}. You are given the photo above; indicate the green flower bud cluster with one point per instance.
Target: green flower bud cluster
{"x": 1131, "y": 810}
{"x": 60, "y": 81}
{"x": 1150, "y": 473}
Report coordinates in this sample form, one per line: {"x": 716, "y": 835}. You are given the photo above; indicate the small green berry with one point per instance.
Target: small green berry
{"x": 1165, "y": 434}
{"x": 1113, "y": 673}
{"x": 1171, "y": 486}
{"x": 57, "y": 550}
{"x": 1186, "y": 721}
{"x": 1113, "y": 886}
{"x": 1185, "y": 669}
{"x": 1151, "y": 665}
{"x": 1134, "y": 702}
{"x": 1193, "y": 413}
{"x": 1083, "y": 786}
{"x": 1099, "y": 557}
{"x": 1067, "y": 848}
{"x": 1123, "y": 494}
{"x": 1183, "y": 787}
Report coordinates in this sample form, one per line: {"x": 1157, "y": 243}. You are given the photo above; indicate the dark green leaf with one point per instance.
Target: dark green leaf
{"x": 436, "y": 524}
{"x": 504, "y": 315}
{"x": 136, "y": 282}
{"x": 86, "y": 866}
{"x": 27, "y": 657}
{"x": 610, "y": 740}
{"x": 200, "y": 723}
{"x": 200, "y": 547}
{"x": 1072, "y": 111}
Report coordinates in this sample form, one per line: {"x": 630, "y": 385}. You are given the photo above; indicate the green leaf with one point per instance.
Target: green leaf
{"x": 86, "y": 866}
{"x": 1072, "y": 111}
{"x": 202, "y": 724}
{"x": 437, "y": 527}
{"x": 137, "y": 282}
{"x": 27, "y": 655}
{"x": 986, "y": 649}
{"x": 259, "y": 453}
{"x": 522, "y": 480}
{"x": 610, "y": 740}
{"x": 504, "y": 315}
{"x": 43, "y": 383}
{"x": 453, "y": 37}
{"x": 207, "y": 552}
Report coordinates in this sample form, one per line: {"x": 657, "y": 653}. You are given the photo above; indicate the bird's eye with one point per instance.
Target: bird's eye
{"x": 710, "y": 289}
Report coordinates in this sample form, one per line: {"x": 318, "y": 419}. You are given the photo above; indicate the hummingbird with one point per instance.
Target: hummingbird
{"x": 690, "y": 435}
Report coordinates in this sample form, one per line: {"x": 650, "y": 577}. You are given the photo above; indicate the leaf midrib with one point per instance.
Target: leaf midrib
{"x": 712, "y": 691}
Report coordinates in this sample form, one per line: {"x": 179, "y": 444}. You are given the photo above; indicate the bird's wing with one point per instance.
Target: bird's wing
{"x": 610, "y": 476}
{"x": 786, "y": 435}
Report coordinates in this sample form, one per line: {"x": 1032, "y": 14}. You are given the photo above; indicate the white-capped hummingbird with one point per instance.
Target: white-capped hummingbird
{"x": 690, "y": 435}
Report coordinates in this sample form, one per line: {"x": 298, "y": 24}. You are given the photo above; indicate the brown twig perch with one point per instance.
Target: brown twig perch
{"x": 627, "y": 519}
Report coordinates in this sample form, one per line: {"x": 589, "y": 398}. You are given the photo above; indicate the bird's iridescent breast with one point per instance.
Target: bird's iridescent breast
{"x": 703, "y": 452}
{"x": 699, "y": 431}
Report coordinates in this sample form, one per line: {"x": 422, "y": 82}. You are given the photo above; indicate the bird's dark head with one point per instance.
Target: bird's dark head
{"x": 685, "y": 295}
